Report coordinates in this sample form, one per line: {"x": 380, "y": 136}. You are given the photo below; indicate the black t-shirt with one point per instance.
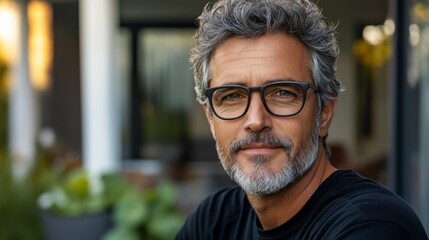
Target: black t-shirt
{"x": 345, "y": 206}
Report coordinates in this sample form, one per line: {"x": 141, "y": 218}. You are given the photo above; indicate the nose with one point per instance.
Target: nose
{"x": 257, "y": 118}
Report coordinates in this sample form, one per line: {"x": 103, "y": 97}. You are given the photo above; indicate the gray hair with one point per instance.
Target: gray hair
{"x": 253, "y": 18}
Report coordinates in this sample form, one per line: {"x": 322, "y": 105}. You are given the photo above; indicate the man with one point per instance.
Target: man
{"x": 265, "y": 75}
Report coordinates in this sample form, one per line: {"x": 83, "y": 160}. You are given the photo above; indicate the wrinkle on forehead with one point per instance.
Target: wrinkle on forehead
{"x": 245, "y": 56}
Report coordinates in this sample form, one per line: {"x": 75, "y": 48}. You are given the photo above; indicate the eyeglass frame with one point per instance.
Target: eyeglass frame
{"x": 303, "y": 85}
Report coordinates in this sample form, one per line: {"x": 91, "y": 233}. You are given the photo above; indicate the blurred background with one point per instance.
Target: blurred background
{"x": 105, "y": 86}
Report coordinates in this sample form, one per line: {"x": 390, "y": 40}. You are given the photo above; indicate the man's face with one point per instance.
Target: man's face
{"x": 261, "y": 152}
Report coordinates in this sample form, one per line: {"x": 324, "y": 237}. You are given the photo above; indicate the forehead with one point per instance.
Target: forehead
{"x": 256, "y": 61}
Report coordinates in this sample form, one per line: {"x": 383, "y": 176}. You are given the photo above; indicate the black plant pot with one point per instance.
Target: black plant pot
{"x": 85, "y": 227}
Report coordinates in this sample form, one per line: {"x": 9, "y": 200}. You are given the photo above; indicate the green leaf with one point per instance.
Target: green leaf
{"x": 115, "y": 186}
{"x": 167, "y": 194}
{"x": 165, "y": 226}
{"x": 77, "y": 184}
{"x": 95, "y": 204}
{"x": 131, "y": 210}
{"x": 121, "y": 233}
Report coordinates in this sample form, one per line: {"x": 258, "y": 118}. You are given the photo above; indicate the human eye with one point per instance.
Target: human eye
{"x": 229, "y": 95}
{"x": 284, "y": 93}
{"x": 232, "y": 96}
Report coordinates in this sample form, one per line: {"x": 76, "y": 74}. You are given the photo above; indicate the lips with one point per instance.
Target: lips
{"x": 259, "y": 149}
{"x": 258, "y": 146}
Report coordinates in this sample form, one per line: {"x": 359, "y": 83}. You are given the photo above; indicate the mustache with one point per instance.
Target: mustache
{"x": 262, "y": 138}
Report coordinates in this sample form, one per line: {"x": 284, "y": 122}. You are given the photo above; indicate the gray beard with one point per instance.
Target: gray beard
{"x": 262, "y": 181}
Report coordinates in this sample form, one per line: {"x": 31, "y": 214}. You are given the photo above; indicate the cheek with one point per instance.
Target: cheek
{"x": 224, "y": 133}
{"x": 296, "y": 130}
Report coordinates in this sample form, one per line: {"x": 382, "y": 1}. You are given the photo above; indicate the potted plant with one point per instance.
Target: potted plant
{"x": 120, "y": 211}
{"x": 148, "y": 214}
{"x": 71, "y": 211}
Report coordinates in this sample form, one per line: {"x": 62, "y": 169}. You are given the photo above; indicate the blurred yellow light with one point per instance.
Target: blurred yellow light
{"x": 373, "y": 34}
{"x": 421, "y": 12}
{"x": 39, "y": 43}
{"x": 9, "y": 31}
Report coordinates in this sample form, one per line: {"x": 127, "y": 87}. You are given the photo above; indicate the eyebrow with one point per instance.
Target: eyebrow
{"x": 267, "y": 82}
{"x": 282, "y": 80}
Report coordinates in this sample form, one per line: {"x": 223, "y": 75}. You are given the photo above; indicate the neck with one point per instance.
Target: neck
{"x": 278, "y": 208}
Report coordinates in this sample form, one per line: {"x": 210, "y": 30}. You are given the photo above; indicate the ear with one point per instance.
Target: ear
{"x": 327, "y": 114}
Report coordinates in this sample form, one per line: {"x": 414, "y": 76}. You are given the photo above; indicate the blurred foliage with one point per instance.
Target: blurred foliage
{"x": 148, "y": 214}
{"x": 18, "y": 209}
{"x": 137, "y": 213}
{"x": 70, "y": 195}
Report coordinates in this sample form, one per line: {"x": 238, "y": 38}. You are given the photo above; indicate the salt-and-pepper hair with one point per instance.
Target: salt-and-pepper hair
{"x": 253, "y": 18}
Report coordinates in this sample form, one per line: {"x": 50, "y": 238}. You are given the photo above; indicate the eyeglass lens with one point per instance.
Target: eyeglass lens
{"x": 281, "y": 99}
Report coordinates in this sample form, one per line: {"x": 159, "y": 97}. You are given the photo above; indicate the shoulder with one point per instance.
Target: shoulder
{"x": 370, "y": 199}
{"x": 213, "y": 213}
{"x": 362, "y": 206}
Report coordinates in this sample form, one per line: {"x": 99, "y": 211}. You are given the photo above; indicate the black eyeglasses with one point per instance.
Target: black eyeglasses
{"x": 281, "y": 98}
